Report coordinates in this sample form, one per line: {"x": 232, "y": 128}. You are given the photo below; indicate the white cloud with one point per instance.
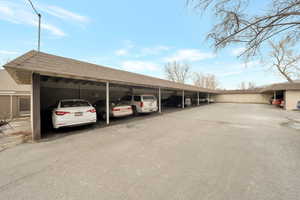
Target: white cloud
{"x": 21, "y": 14}
{"x": 64, "y": 14}
{"x": 230, "y": 73}
{"x": 190, "y": 55}
{"x": 154, "y": 50}
{"x": 128, "y": 44}
{"x": 121, "y": 52}
{"x": 237, "y": 51}
{"x": 4, "y": 52}
{"x": 134, "y": 66}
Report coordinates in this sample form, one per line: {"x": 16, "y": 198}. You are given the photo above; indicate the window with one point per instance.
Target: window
{"x": 137, "y": 98}
{"x": 148, "y": 98}
{"x": 75, "y": 103}
{"x": 24, "y": 104}
{"x": 126, "y": 98}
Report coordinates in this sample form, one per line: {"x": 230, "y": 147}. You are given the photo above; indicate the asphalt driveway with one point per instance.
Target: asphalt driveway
{"x": 219, "y": 151}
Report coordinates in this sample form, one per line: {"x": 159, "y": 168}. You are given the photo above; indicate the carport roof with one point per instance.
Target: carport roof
{"x": 281, "y": 87}
{"x": 22, "y": 67}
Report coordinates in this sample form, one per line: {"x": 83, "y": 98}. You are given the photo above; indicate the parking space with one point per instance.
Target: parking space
{"x": 221, "y": 151}
{"x": 63, "y": 85}
{"x": 55, "y": 89}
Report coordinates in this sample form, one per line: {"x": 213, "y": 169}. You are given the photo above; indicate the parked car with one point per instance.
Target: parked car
{"x": 73, "y": 112}
{"x": 277, "y": 102}
{"x": 116, "y": 109}
{"x": 211, "y": 101}
{"x": 187, "y": 101}
{"x": 172, "y": 101}
{"x": 176, "y": 101}
{"x": 141, "y": 103}
{"x": 202, "y": 100}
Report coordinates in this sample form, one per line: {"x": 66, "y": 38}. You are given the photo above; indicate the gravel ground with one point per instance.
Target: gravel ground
{"x": 219, "y": 151}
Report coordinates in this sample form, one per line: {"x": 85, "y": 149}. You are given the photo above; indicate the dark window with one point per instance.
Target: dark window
{"x": 148, "y": 98}
{"x": 137, "y": 98}
{"x": 100, "y": 103}
{"x": 126, "y": 98}
{"x": 75, "y": 103}
{"x": 24, "y": 104}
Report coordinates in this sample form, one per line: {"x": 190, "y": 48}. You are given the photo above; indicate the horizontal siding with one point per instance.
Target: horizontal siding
{"x": 291, "y": 98}
{"x": 242, "y": 98}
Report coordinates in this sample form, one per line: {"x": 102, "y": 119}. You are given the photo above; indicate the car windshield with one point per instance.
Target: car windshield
{"x": 74, "y": 103}
{"x": 148, "y": 98}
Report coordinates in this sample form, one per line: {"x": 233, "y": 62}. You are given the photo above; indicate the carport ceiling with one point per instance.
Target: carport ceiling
{"x": 50, "y": 65}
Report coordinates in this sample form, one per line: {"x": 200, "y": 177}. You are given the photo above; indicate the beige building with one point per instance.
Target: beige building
{"x": 14, "y": 98}
{"x": 289, "y": 92}
{"x": 242, "y": 96}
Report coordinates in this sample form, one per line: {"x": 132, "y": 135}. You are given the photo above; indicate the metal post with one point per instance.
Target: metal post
{"x": 182, "y": 98}
{"x": 107, "y": 103}
{"x": 39, "y": 25}
{"x": 11, "y": 106}
{"x": 275, "y": 95}
{"x": 207, "y": 98}
{"x": 198, "y": 100}
{"x": 159, "y": 100}
{"x": 39, "y": 33}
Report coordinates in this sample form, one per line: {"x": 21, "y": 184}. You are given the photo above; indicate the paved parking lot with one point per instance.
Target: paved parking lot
{"x": 220, "y": 151}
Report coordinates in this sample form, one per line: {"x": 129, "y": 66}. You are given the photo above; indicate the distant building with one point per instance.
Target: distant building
{"x": 14, "y": 98}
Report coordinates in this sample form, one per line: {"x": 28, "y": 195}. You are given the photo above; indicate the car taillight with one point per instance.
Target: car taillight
{"x": 61, "y": 112}
{"x": 116, "y": 109}
{"x": 91, "y": 110}
{"x": 141, "y": 104}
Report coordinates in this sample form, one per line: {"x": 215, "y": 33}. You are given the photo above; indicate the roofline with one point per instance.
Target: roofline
{"x": 23, "y": 66}
{"x": 15, "y": 66}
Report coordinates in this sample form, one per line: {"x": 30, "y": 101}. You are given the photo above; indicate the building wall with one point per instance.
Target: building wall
{"x": 5, "y": 106}
{"x": 242, "y": 98}
{"x": 291, "y": 99}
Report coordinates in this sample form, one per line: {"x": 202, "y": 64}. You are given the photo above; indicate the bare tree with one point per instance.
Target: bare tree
{"x": 234, "y": 24}
{"x": 247, "y": 85}
{"x": 177, "y": 72}
{"x": 242, "y": 86}
{"x": 284, "y": 59}
{"x": 205, "y": 80}
{"x": 251, "y": 85}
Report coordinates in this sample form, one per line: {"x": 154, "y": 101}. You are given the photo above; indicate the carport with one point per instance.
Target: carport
{"x": 69, "y": 78}
{"x": 289, "y": 92}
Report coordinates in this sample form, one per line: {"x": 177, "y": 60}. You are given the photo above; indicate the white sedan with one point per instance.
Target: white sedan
{"x": 73, "y": 112}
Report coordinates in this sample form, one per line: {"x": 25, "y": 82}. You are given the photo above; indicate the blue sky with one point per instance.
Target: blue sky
{"x": 135, "y": 35}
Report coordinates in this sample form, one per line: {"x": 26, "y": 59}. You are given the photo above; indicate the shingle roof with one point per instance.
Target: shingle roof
{"x": 281, "y": 86}
{"x": 7, "y": 84}
{"x": 46, "y": 64}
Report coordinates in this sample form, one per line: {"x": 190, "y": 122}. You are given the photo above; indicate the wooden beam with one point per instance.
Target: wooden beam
{"x": 35, "y": 107}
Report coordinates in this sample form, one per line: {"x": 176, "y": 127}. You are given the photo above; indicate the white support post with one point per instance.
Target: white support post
{"x": 207, "y": 98}
{"x": 182, "y": 98}
{"x": 159, "y": 100}
{"x": 275, "y": 95}
{"x": 11, "y": 106}
{"x": 198, "y": 100}
{"x": 107, "y": 103}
